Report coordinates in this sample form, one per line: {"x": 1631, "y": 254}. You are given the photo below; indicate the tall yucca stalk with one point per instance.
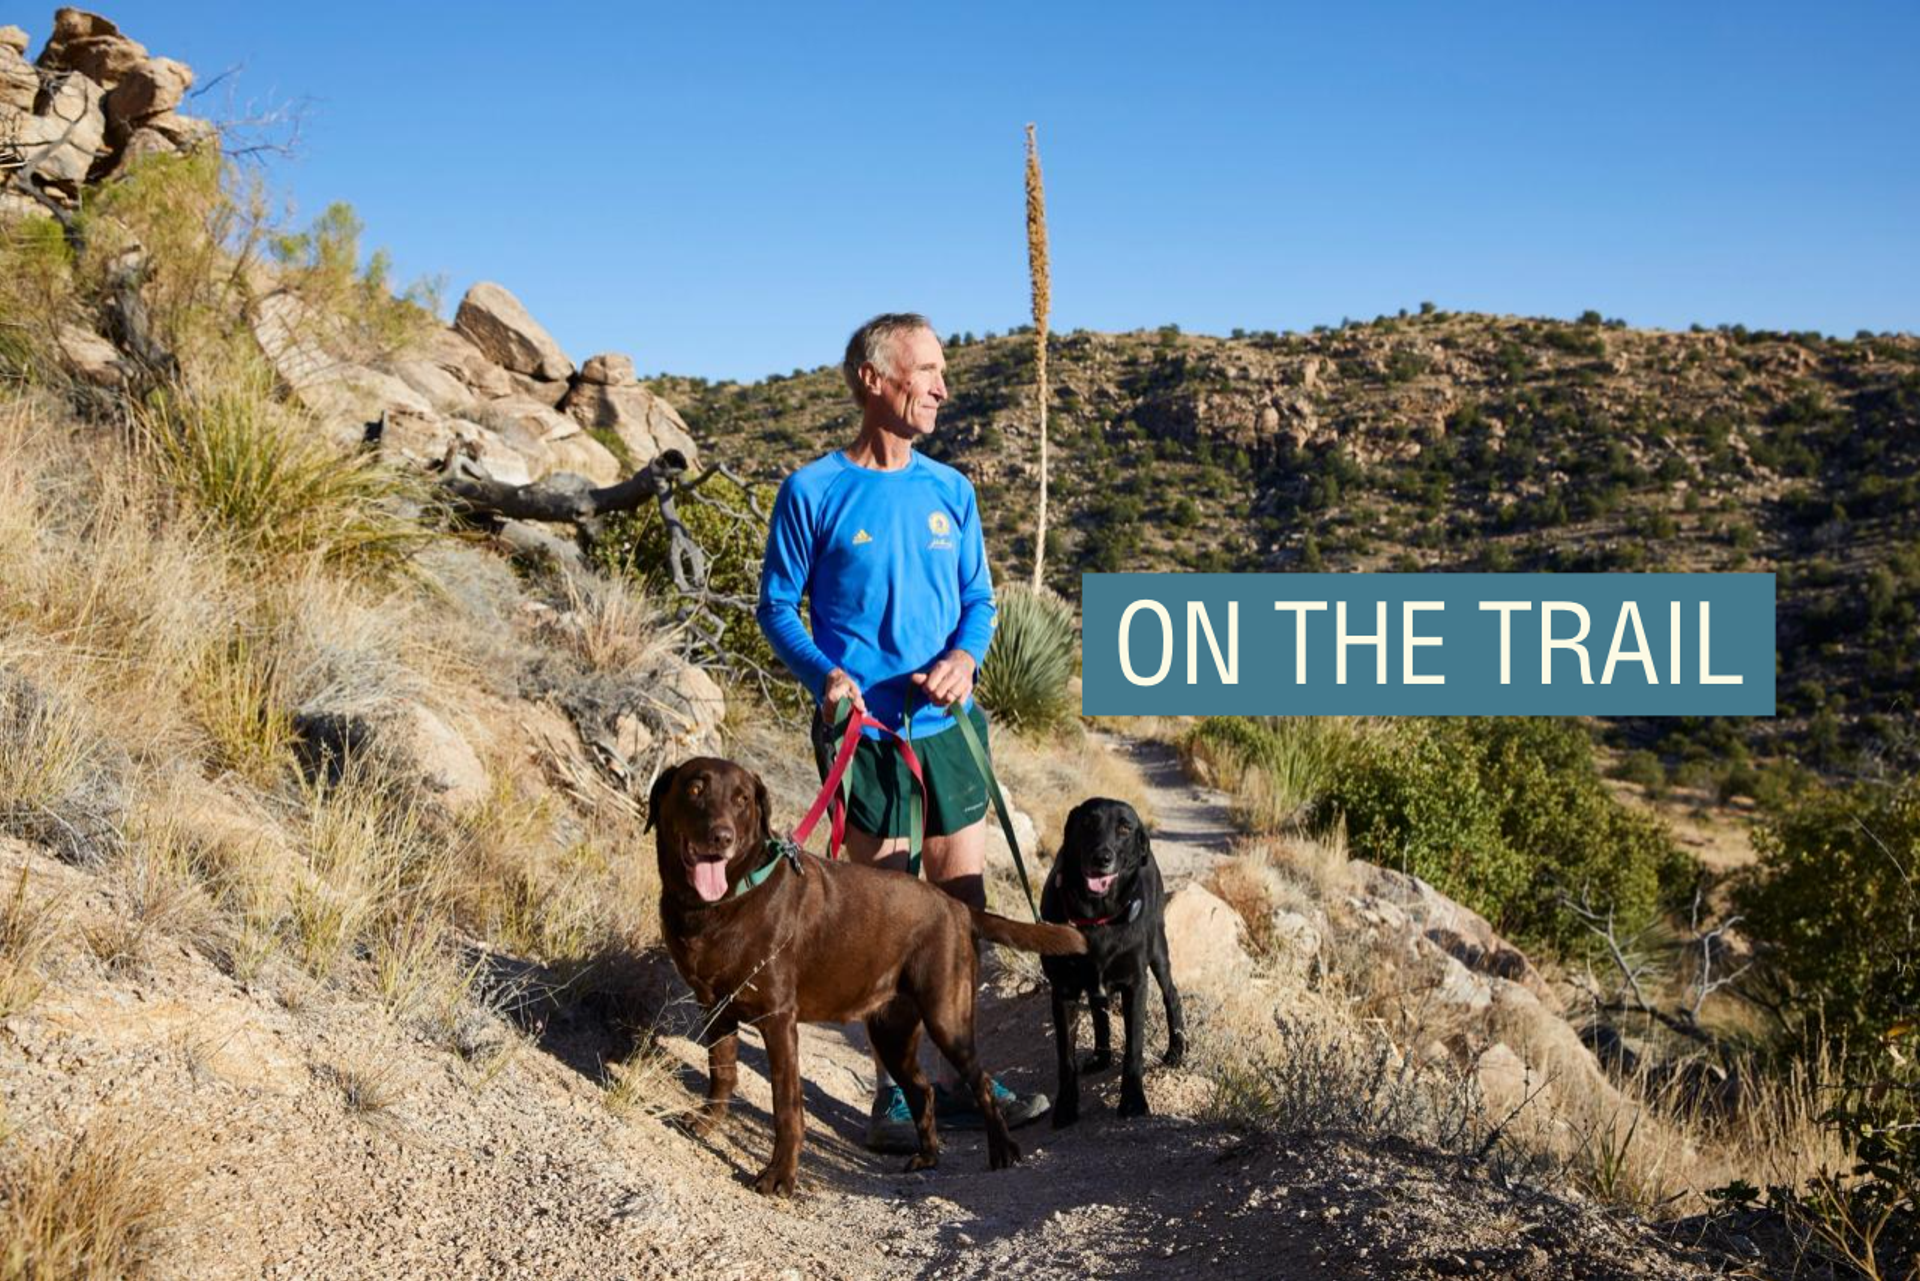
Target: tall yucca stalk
{"x": 1042, "y": 298}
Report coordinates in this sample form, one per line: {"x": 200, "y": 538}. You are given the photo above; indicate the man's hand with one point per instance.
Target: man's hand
{"x": 949, "y": 680}
{"x": 839, "y": 686}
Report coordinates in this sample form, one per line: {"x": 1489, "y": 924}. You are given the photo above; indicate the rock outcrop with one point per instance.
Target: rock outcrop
{"x": 91, "y": 100}
{"x": 500, "y": 326}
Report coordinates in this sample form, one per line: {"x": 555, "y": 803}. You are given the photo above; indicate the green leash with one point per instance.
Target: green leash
{"x": 916, "y": 813}
{"x": 978, "y": 750}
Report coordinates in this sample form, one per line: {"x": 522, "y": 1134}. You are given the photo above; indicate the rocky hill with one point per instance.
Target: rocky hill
{"x": 1443, "y": 441}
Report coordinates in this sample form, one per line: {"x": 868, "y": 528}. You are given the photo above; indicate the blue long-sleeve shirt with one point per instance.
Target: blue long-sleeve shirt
{"x": 894, "y": 569}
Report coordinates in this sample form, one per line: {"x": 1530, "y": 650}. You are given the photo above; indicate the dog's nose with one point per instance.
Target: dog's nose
{"x": 722, "y": 836}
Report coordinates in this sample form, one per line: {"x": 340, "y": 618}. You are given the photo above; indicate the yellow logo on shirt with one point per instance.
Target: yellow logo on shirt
{"x": 861, "y": 538}
{"x": 939, "y": 524}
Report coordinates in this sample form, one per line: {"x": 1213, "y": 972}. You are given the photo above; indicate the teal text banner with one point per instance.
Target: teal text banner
{"x": 1427, "y": 644}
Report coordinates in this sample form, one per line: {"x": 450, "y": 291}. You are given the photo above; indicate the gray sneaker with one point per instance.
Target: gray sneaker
{"x": 958, "y": 1111}
{"x": 890, "y": 1126}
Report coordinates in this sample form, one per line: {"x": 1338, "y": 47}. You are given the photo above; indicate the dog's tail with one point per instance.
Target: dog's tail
{"x": 1047, "y": 940}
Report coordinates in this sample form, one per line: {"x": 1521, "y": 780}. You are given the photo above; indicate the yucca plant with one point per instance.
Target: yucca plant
{"x": 1042, "y": 282}
{"x": 239, "y": 458}
{"x": 1024, "y": 679}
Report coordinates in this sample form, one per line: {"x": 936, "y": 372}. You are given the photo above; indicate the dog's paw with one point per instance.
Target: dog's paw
{"x": 702, "y": 1124}
{"x": 774, "y": 1181}
{"x": 1065, "y": 1112}
{"x": 1133, "y": 1101}
{"x": 1176, "y": 1051}
{"x": 923, "y": 1161}
{"x": 1097, "y": 1061}
{"x": 1002, "y": 1155}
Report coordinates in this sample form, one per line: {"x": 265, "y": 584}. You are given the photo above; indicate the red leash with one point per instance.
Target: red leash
{"x": 833, "y": 791}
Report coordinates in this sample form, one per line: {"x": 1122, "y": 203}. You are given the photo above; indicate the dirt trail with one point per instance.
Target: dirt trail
{"x": 1193, "y": 825}
{"x": 1161, "y": 1196}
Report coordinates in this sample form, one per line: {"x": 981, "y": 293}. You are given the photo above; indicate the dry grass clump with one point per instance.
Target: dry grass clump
{"x": 369, "y": 1082}
{"x": 647, "y": 1084}
{"x": 29, "y": 926}
{"x": 1275, "y": 767}
{"x": 262, "y": 481}
{"x": 61, "y": 783}
{"x": 1048, "y": 777}
{"x": 89, "y": 1206}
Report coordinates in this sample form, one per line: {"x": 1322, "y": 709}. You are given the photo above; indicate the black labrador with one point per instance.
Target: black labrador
{"x": 1106, "y": 883}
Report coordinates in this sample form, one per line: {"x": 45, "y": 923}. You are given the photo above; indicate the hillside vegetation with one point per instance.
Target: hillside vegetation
{"x": 1453, "y": 441}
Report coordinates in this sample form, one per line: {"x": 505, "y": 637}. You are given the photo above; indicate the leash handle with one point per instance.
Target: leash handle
{"x": 836, "y": 789}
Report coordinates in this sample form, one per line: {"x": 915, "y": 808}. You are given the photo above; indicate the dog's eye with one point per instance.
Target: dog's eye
{"x": 697, "y": 788}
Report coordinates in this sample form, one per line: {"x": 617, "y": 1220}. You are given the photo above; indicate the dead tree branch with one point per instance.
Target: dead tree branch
{"x": 1630, "y": 996}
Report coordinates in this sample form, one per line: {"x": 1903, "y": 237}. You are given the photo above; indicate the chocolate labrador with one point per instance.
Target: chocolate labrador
{"x": 1106, "y": 884}
{"x": 765, "y": 934}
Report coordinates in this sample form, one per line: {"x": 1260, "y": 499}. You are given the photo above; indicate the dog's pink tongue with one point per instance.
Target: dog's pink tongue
{"x": 1101, "y": 884}
{"x": 710, "y": 879}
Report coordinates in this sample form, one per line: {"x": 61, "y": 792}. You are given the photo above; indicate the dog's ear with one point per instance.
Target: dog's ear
{"x": 763, "y": 803}
{"x": 1142, "y": 844}
{"x": 659, "y": 794}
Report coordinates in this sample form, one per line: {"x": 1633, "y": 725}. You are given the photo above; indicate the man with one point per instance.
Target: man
{"x": 885, "y": 544}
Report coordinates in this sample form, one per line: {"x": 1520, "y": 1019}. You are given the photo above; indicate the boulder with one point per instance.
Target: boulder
{"x": 502, "y": 461}
{"x": 91, "y": 45}
{"x": 690, "y": 707}
{"x": 445, "y": 761}
{"x": 509, "y": 336}
{"x": 19, "y": 82}
{"x": 184, "y": 132}
{"x": 1459, "y": 930}
{"x": 1297, "y": 937}
{"x": 64, "y": 140}
{"x": 155, "y": 86}
{"x": 91, "y": 358}
{"x": 1206, "y": 940}
{"x": 645, "y": 423}
{"x": 407, "y": 737}
{"x": 998, "y": 853}
{"x": 1508, "y": 1084}
{"x": 451, "y": 351}
{"x": 609, "y": 369}
{"x": 13, "y": 40}
{"x": 548, "y": 391}
{"x": 584, "y": 456}
{"x": 345, "y": 398}
{"x": 537, "y": 420}
{"x": 442, "y": 389}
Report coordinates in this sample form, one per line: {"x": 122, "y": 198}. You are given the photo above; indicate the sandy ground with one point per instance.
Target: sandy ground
{"x": 524, "y": 1170}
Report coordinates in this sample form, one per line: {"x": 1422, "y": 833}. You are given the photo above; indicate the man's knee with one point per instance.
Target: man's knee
{"x": 956, "y": 862}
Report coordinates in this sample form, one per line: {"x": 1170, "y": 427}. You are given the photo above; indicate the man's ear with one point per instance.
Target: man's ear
{"x": 658, "y": 794}
{"x": 764, "y": 804}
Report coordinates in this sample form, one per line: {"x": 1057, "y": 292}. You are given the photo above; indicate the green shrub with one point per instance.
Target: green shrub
{"x": 719, "y": 517}
{"x": 1278, "y": 765}
{"x": 1509, "y": 816}
{"x": 1024, "y": 680}
{"x": 323, "y": 265}
{"x": 1833, "y": 908}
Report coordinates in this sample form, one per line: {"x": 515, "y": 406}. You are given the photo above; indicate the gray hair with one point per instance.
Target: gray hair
{"x": 872, "y": 344}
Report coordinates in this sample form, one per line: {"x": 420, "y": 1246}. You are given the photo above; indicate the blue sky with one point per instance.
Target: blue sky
{"x": 727, "y": 190}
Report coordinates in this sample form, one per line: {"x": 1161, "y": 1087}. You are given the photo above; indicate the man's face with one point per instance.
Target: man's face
{"x": 907, "y": 400}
